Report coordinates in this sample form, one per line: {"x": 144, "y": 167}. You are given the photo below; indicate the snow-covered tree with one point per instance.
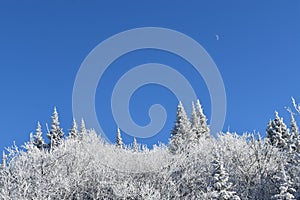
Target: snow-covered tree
{"x": 295, "y": 128}
{"x": 119, "y": 142}
{"x": 56, "y": 134}
{"x": 135, "y": 145}
{"x": 243, "y": 167}
{"x": 284, "y": 186}
{"x": 199, "y": 127}
{"x": 73, "y": 131}
{"x": 204, "y": 130}
{"x": 181, "y": 130}
{"x": 195, "y": 124}
{"x": 221, "y": 187}
{"x": 38, "y": 140}
{"x": 82, "y": 127}
{"x": 278, "y": 133}
{"x": 292, "y": 164}
{"x": 295, "y": 135}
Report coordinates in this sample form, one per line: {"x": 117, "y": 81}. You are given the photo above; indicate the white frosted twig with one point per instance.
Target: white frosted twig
{"x": 297, "y": 107}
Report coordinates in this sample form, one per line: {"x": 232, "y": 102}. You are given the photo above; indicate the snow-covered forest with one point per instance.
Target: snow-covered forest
{"x": 78, "y": 164}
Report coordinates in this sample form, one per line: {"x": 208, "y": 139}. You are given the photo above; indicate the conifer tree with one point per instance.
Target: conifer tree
{"x": 135, "y": 145}
{"x": 181, "y": 130}
{"x": 38, "y": 140}
{"x": 295, "y": 135}
{"x": 293, "y": 156}
{"x": 56, "y": 134}
{"x": 119, "y": 142}
{"x": 277, "y": 133}
{"x": 204, "y": 129}
{"x": 195, "y": 124}
{"x": 220, "y": 186}
{"x": 82, "y": 127}
{"x": 285, "y": 190}
{"x": 73, "y": 131}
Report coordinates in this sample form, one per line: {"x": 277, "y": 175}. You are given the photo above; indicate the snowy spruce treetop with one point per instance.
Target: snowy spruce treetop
{"x": 181, "y": 130}
{"x": 119, "y": 142}
{"x": 199, "y": 125}
{"x": 82, "y": 127}
{"x": 135, "y": 145}
{"x": 56, "y": 134}
{"x": 73, "y": 131}
{"x": 38, "y": 139}
{"x": 278, "y": 133}
{"x": 295, "y": 135}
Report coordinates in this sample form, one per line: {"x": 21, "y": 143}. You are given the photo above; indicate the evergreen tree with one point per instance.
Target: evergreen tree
{"x": 293, "y": 157}
{"x": 195, "y": 124}
{"x": 38, "y": 140}
{"x": 285, "y": 190}
{"x": 277, "y": 133}
{"x": 295, "y": 135}
{"x": 199, "y": 127}
{"x": 181, "y": 130}
{"x": 204, "y": 129}
{"x": 135, "y": 145}
{"x": 56, "y": 134}
{"x": 119, "y": 142}
{"x": 82, "y": 127}
{"x": 220, "y": 185}
{"x": 73, "y": 131}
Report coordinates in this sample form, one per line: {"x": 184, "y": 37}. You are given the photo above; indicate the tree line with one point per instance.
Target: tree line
{"x": 193, "y": 165}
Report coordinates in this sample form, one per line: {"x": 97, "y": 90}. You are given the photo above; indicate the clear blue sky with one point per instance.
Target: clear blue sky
{"x": 43, "y": 43}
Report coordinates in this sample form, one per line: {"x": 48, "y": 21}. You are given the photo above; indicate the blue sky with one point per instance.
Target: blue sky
{"x": 43, "y": 43}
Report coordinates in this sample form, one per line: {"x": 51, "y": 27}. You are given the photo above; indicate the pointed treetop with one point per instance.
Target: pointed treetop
{"x": 181, "y": 130}
{"x": 73, "y": 131}
{"x": 276, "y": 115}
{"x": 295, "y": 135}
{"x": 119, "y": 141}
{"x": 201, "y": 129}
{"x": 182, "y": 124}
{"x": 56, "y": 133}
{"x": 194, "y": 117}
{"x": 38, "y": 140}
{"x": 135, "y": 145}
{"x": 39, "y": 128}
{"x": 74, "y": 123}
{"x": 199, "y": 107}
{"x": 294, "y": 126}
{"x": 180, "y": 108}
{"x": 55, "y": 111}
{"x": 82, "y": 126}
{"x": 54, "y": 117}
{"x": 277, "y": 133}
{"x": 180, "y": 104}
